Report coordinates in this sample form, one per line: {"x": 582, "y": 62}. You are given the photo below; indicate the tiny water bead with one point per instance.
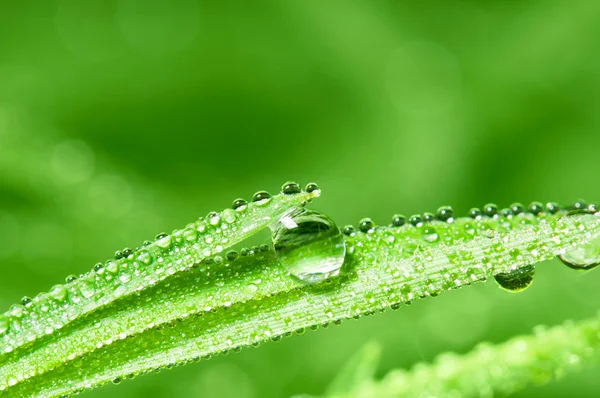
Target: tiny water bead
{"x": 312, "y": 187}
{"x": 428, "y": 217}
{"x": 517, "y": 208}
{"x": 445, "y": 213}
{"x": 475, "y": 213}
{"x": 239, "y": 204}
{"x": 552, "y": 207}
{"x": 348, "y": 230}
{"x": 517, "y": 280}
{"x": 535, "y": 208}
{"x": 366, "y": 224}
{"x": 415, "y": 220}
{"x": 260, "y": 196}
{"x": 309, "y": 244}
{"x": 490, "y": 210}
{"x": 290, "y": 188}
{"x": 398, "y": 220}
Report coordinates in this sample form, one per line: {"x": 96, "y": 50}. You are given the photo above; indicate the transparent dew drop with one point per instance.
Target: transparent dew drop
{"x": 309, "y": 244}
{"x": 516, "y": 281}
{"x": 584, "y": 257}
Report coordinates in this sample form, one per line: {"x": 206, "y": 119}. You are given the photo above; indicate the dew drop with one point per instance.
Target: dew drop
{"x": 490, "y": 210}
{"x": 58, "y": 293}
{"x": 584, "y": 257}
{"x": 552, "y": 207}
{"x": 290, "y": 188}
{"x": 229, "y": 216}
{"x": 517, "y": 280}
{"x": 416, "y": 220}
{"x": 398, "y": 220}
{"x": 428, "y": 217}
{"x": 517, "y": 208}
{"x": 99, "y": 268}
{"x": 309, "y": 244}
{"x": 430, "y": 235}
{"x": 313, "y": 188}
{"x": 475, "y": 213}
{"x": 535, "y": 208}
{"x": 261, "y": 196}
{"x": 144, "y": 256}
{"x": 348, "y": 230}
{"x": 164, "y": 241}
{"x": 445, "y": 213}
{"x": 366, "y": 224}
{"x": 239, "y": 204}
{"x": 214, "y": 218}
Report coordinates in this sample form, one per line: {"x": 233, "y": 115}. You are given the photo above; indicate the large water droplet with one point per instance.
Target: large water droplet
{"x": 583, "y": 257}
{"x": 516, "y": 281}
{"x": 309, "y": 244}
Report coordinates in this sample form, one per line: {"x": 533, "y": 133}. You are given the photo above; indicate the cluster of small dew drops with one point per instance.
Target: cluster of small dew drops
{"x": 208, "y": 228}
{"x": 443, "y": 227}
{"x": 321, "y": 304}
{"x": 134, "y": 269}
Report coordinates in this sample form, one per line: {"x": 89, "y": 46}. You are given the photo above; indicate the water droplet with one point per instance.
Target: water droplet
{"x": 445, "y": 213}
{"x": 416, "y": 220}
{"x": 309, "y": 244}
{"x": 164, "y": 241}
{"x": 213, "y": 218}
{"x": 239, "y": 204}
{"x": 99, "y": 268}
{"x": 398, "y": 220}
{"x": 260, "y": 196}
{"x": 552, "y": 207}
{"x": 584, "y": 257}
{"x": 144, "y": 256}
{"x": 517, "y": 280}
{"x": 348, "y": 230}
{"x": 70, "y": 278}
{"x": 475, "y": 213}
{"x": 535, "y": 208}
{"x": 232, "y": 255}
{"x": 490, "y": 210}
{"x": 58, "y": 293}
{"x": 428, "y": 217}
{"x": 579, "y": 205}
{"x": 517, "y": 208}
{"x": 87, "y": 289}
{"x": 290, "y": 188}
{"x": 366, "y": 224}
{"x": 313, "y": 188}
{"x": 430, "y": 235}
{"x": 229, "y": 216}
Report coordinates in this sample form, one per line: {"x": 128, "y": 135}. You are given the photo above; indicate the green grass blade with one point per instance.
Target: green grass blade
{"x": 217, "y": 307}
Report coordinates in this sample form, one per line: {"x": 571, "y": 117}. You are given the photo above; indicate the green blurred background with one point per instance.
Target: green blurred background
{"x": 120, "y": 119}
